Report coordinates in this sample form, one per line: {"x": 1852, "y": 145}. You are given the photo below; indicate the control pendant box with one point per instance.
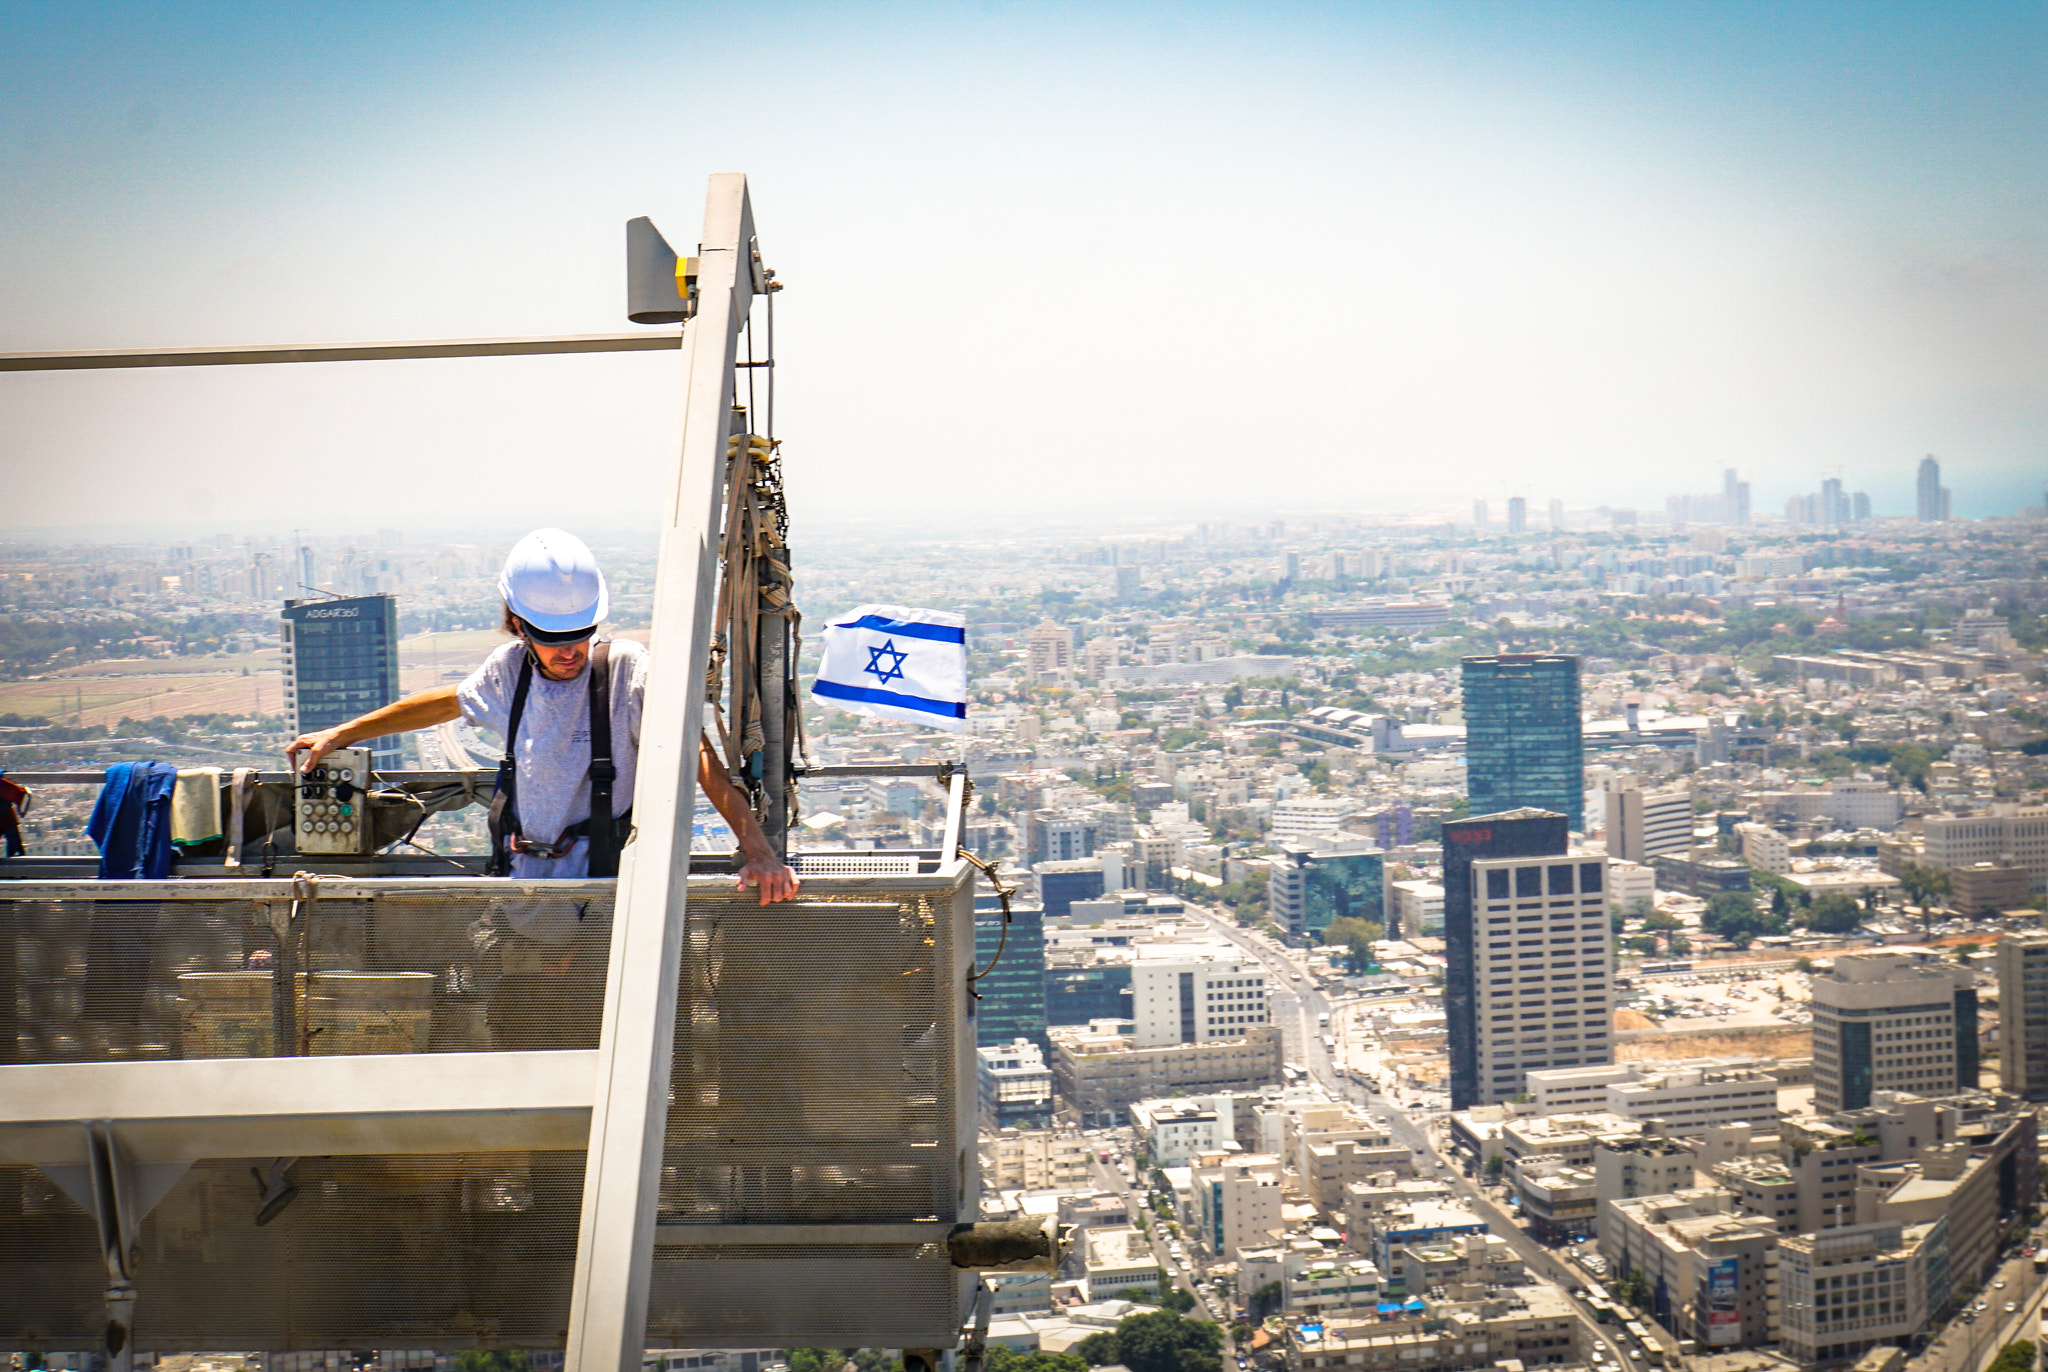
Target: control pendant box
{"x": 333, "y": 811}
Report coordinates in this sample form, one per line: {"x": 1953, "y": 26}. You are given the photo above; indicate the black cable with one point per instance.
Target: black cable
{"x": 1003, "y": 893}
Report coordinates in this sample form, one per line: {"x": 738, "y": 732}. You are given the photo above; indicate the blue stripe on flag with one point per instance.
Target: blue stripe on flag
{"x": 908, "y": 628}
{"x": 951, "y": 708}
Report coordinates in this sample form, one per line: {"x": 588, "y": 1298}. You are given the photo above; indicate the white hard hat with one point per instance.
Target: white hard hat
{"x": 552, "y": 582}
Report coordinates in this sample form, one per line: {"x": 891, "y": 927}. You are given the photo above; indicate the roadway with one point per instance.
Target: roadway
{"x": 1305, "y": 1047}
{"x": 1110, "y": 1176}
{"x": 1968, "y": 1346}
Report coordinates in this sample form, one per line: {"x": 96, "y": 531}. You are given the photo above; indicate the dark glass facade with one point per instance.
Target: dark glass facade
{"x": 341, "y": 660}
{"x": 1075, "y": 995}
{"x": 1854, "y": 1038}
{"x": 1967, "y": 1062}
{"x": 1523, "y": 745}
{"x": 1012, "y": 1004}
{"x": 1518, "y": 833}
{"x": 1060, "y": 884}
{"x": 1343, "y": 886}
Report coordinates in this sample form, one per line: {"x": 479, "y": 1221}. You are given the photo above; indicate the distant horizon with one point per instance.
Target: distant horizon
{"x": 1029, "y": 522}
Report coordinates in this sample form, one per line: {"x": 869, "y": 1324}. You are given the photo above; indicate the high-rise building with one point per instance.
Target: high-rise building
{"x": 1646, "y": 824}
{"x": 1892, "y": 1021}
{"x": 1557, "y": 515}
{"x": 1479, "y": 514}
{"x": 1932, "y": 498}
{"x": 2023, "y": 1014}
{"x": 340, "y": 661}
{"x": 1526, "y": 936}
{"x": 1735, "y": 498}
{"x": 1523, "y": 745}
{"x": 1834, "y": 502}
{"x": 1049, "y": 652}
{"x": 1518, "y": 515}
{"x": 1012, "y": 1004}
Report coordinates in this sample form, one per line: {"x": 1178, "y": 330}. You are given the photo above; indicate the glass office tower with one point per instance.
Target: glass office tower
{"x": 1523, "y": 746}
{"x": 340, "y": 661}
{"x": 1012, "y": 1004}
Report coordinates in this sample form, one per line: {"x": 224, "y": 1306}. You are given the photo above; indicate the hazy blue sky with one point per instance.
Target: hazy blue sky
{"x": 1041, "y": 258}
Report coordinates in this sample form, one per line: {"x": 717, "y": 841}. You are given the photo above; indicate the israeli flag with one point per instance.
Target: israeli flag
{"x": 908, "y": 665}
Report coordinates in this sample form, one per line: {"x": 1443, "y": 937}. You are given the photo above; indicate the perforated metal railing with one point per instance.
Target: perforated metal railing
{"x": 819, "y": 1142}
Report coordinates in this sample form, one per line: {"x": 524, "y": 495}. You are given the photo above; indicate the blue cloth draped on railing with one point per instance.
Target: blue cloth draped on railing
{"x": 131, "y": 821}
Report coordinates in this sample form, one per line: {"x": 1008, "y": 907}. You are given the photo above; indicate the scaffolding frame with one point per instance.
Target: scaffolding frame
{"x": 117, "y": 1136}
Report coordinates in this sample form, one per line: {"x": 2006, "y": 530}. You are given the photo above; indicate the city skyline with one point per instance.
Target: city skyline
{"x": 1625, "y": 250}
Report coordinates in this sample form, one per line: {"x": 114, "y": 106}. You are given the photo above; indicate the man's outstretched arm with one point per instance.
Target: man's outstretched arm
{"x": 763, "y": 868}
{"x": 421, "y": 711}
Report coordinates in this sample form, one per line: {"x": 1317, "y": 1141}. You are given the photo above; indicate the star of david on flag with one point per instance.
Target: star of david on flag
{"x": 894, "y": 663}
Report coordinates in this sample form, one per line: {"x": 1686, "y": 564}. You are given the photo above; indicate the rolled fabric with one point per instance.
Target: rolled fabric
{"x": 195, "y": 806}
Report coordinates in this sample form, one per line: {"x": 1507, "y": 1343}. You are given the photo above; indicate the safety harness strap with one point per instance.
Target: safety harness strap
{"x": 504, "y": 815}
{"x": 604, "y": 834}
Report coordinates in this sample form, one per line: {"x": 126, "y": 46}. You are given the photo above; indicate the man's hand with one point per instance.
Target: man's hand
{"x": 314, "y": 746}
{"x": 774, "y": 878}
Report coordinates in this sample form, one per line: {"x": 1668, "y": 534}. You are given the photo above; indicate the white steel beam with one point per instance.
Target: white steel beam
{"x": 622, "y": 1178}
{"x": 254, "y": 353}
{"x": 182, "y": 1111}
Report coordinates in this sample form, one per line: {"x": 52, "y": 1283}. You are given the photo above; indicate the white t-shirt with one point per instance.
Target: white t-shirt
{"x": 553, "y": 747}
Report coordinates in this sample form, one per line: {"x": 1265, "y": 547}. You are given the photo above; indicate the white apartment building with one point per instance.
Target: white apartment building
{"x": 1035, "y": 1160}
{"x": 1329, "y": 1286}
{"x": 1236, "y": 1205}
{"x": 1631, "y": 885}
{"x": 1015, "y": 1083}
{"x": 1118, "y": 1262}
{"x": 1846, "y": 1290}
{"x": 1849, "y": 804}
{"x": 1892, "y": 1021}
{"x": 1690, "y": 1098}
{"x": 1195, "y": 993}
{"x": 1416, "y": 906}
{"x": 1559, "y": 1089}
{"x": 1175, "y": 1130}
{"x": 2016, "y": 834}
{"x": 1765, "y": 848}
{"x": 1645, "y": 824}
{"x": 1541, "y": 955}
{"x": 1624, "y": 1169}
{"x": 1309, "y": 818}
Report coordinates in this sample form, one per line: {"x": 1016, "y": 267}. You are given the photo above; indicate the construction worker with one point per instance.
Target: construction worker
{"x": 541, "y": 696}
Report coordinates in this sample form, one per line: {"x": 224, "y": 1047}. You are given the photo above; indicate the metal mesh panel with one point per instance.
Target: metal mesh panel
{"x": 816, "y": 1080}
{"x": 813, "y": 1032}
{"x": 448, "y": 1250}
{"x": 845, "y": 1296}
{"x": 108, "y": 981}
